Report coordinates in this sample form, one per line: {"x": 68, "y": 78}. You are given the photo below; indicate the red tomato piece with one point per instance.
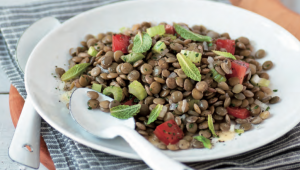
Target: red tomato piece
{"x": 169, "y": 132}
{"x": 129, "y": 102}
{"x": 170, "y": 29}
{"x": 238, "y": 69}
{"x": 120, "y": 42}
{"x": 241, "y": 113}
{"x": 229, "y": 45}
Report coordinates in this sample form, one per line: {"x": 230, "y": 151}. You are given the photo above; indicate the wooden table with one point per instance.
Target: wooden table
{"x": 271, "y": 9}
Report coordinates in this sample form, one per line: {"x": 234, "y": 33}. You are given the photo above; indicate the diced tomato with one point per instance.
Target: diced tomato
{"x": 170, "y": 29}
{"x": 238, "y": 69}
{"x": 237, "y": 112}
{"x": 129, "y": 102}
{"x": 120, "y": 42}
{"x": 169, "y": 132}
{"x": 229, "y": 45}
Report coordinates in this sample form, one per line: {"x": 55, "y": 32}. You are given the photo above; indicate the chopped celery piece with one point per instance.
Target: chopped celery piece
{"x": 173, "y": 37}
{"x": 195, "y": 57}
{"x": 137, "y": 89}
{"x": 156, "y": 30}
{"x": 132, "y": 57}
{"x": 159, "y": 47}
{"x": 239, "y": 131}
{"x": 116, "y": 91}
{"x": 92, "y": 51}
{"x": 217, "y": 77}
{"x": 123, "y": 29}
{"x": 257, "y": 81}
{"x": 97, "y": 87}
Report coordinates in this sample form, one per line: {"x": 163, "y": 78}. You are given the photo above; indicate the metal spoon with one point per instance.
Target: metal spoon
{"x": 25, "y": 144}
{"x": 105, "y": 126}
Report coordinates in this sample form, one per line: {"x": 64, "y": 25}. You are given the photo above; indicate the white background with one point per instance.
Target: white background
{"x": 6, "y": 126}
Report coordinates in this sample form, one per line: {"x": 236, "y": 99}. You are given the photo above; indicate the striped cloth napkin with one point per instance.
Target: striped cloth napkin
{"x": 283, "y": 153}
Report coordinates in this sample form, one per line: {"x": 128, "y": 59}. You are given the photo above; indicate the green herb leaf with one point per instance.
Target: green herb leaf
{"x": 192, "y": 55}
{"x": 211, "y": 125}
{"x": 132, "y": 57}
{"x": 125, "y": 111}
{"x": 188, "y": 67}
{"x": 268, "y": 108}
{"x": 116, "y": 91}
{"x": 275, "y": 90}
{"x": 75, "y": 71}
{"x": 141, "y": 43}
{"x": 191, "y": 125}
{"x": 224, "y": 54}
{"x": 187, "y": 34}
{"x": 205, "y": 141}
{"x": 154, "y": 113}
{"x": 256, "y": 107}
{"x": 239, "y": 131}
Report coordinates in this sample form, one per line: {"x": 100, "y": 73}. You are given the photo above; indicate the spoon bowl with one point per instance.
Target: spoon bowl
{"x": 104, "y": 125}
{"x": 94, "y": 121}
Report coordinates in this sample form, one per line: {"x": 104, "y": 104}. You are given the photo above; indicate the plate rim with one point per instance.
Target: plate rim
{"x": 287, "y": 128}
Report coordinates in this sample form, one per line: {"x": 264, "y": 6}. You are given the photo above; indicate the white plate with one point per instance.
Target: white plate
{"x": 281, "y": 47}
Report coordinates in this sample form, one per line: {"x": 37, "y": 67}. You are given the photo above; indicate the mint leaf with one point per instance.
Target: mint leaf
{"x": 205, "y": 141}
{"x": 187, "y": 34}
{"x": 141, "y": 43}
{"x": 195, "y": 57}
{"x": 224, "y": 54}
{"x": 211, "y": 125}
{"x": 132, "y": 57}
{"x": 116, "y": 91}
{"x": 154, "y": 113}
{"x": 75, "y": 71}
{"x": 188, "y": 67}
{"x": 125, "y": 111}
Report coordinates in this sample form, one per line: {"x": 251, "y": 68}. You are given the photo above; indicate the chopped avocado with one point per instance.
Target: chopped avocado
{"x": 97, "y": 87}
{"x": 137, "y": 89}
{"x": 116, "y": 91}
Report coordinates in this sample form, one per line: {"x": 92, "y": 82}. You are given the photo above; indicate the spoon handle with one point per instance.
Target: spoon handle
{"x": 25, "y": 144}
{"x": 150, "y": 154}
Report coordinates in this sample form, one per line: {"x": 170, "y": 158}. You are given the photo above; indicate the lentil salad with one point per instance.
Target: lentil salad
{"x": 182, "y": 85}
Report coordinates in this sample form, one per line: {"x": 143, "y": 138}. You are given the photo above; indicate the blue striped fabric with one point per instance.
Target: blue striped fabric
{"x": 284, "y": 153}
